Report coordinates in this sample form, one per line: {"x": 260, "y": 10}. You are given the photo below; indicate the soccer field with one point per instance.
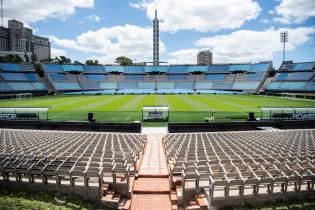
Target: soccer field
{"x": 127, "y": 108}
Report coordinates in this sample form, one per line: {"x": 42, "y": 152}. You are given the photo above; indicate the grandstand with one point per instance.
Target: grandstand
{"x": 159, "y": 170}
{"x": 184, "y": 79}
{"x": 20, "y": 78}
{"x": 186, "y": 170}
{"x": 245, "y": 78}
{"x": 294, "y": 78}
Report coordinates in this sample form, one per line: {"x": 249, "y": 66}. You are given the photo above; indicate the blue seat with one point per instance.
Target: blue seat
{"x": 21, "y": 86}
{"x": 53, "y": 67}
{"x": 203, "y": 85}
{"x": 245, "y": 85}
{"x": 108, "y": 85}
{"x": 66, "y": 86}
{"x": 10, "y": 67}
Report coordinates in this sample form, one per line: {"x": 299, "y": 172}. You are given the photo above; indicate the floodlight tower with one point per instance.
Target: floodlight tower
{"x": 156, "y": 40}
{"x": 284, "y": 39}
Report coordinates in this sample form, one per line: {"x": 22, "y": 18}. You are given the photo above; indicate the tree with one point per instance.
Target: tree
{"x": 92, "y": 62}
{"x": 11, "y": 59}
{"x": 33, "y": 58}
{"x": 47, "y": 60}
{"x": 61, "y": 60}
{"x": 77, "y": 63}
{"x": 27, "y": 58}
{"x": 124, "y": 61}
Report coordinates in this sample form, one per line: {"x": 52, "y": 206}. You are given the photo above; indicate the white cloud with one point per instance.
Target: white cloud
{"x": 265, "y": 20}
{"x": 184, "y": 56}
{"x": 295, "y": 11}
{"x": 200, "y": 15}
{"x": 67, "y": 43}
{"x": 246, "y": 45}
{"x": 57, "y": 52}
{"x": 93, "y": 18}
{"x": 36, "y": 10}
{"x": 108, "y": 43}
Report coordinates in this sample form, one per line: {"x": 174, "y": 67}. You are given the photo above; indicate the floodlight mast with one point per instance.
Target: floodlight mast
{"x": 284, "y": 39}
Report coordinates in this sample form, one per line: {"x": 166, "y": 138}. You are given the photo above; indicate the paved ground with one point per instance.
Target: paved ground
{"x": 150, "y": 202}
{"x": 154, "y": 163}
{"x": 152, "y": 185}
{"x": 151, "y": 190}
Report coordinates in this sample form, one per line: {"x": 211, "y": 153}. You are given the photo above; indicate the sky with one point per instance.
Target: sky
{"x": 234, "y": 30}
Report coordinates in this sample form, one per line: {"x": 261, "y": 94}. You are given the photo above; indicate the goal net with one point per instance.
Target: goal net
{"x": 23, "y": 96}
{"x": 155, "y": 113}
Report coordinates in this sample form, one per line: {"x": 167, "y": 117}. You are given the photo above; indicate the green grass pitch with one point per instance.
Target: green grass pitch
{"x": 127, "y": 108}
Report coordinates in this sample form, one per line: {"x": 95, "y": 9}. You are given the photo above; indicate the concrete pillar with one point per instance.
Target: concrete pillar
{"x": 269, "y": 189}
{"x": 72, "y": 182}
{"x": 86, "y": 182}
{"x": 226, "y": 191}
{"x": 241, "y": 190}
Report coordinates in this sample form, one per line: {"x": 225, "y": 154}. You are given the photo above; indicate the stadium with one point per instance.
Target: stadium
{"x": 159, "y": 136}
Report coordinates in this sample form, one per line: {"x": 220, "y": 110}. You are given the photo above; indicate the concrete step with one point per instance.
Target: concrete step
{"x": 111, "y": 200}
{"x": 124, "y": 204}
{"x": 202, "y": 201}
{"x": 151, "y": 186}
{"x": 104, "y": 189}
{"x": 173, "y": 197}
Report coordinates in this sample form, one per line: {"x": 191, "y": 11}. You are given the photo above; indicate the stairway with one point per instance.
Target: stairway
{"x": 151, "y": 189}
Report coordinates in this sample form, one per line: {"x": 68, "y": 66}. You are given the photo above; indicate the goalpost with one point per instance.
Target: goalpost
{"x": 288, "y": 95}
{"x": 23, "y": 96}
{"x": 155, "y": 113}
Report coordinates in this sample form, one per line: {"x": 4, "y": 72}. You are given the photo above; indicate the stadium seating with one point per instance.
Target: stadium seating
{"x": 134, "y": 70}
{"x": 197, "y": 68}
{"x": 9, "y": 67}
{"x": 96, "y": 77}
{"x": 128, "y": 85}
{"x": 177, "y": 69}
{"x": 216, "y": 76}
{"x": 240, "y": 67}
{"x": 177, "y": 77}
{"x": 236, "y": 167}
{"x": 94, "y": 68}
{"x": 71, "y": 68}
{"x": 66, "y": 86}
{"x": 203, "y": 85}
{"x": 184, "y": 85}
{"x": 52, "y": 67}
{"x": 20, "y": 78}
{"x": 146, "y": 85}
{"x": 218, "y": 68}
{"x": 137, "y": 77}
{"x": 247, "y": 85}
{"x": 108, "y": 85}
{"x": 165, "y": 85}
{"x": 294, "y": 77}
{"x": 86, "y": 164}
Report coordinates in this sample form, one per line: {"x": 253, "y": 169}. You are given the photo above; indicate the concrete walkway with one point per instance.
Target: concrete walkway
{"x": 151, "y": 189}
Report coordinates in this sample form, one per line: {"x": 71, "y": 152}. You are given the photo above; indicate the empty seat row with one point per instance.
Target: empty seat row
{"x": 242, "y": 164}
{"x": 69, "y": 159}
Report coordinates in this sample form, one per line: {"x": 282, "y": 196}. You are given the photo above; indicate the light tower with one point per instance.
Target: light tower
{"x": 156, "y": 40}
{"x": 284, "y": 39}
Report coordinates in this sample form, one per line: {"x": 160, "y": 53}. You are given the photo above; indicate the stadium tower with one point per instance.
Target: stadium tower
{"x": 156, "y": 40}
